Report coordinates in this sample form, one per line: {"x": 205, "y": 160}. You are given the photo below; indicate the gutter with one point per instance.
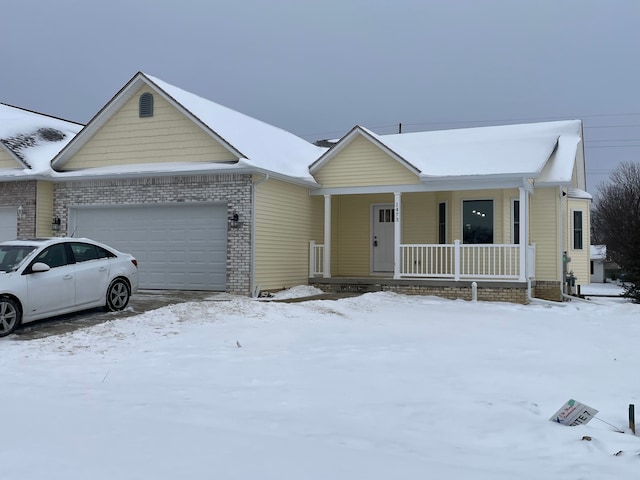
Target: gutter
{"x": 254, "y": 289}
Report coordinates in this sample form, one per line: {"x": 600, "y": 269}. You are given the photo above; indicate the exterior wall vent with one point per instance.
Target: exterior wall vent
{"x": 146, "y": 105}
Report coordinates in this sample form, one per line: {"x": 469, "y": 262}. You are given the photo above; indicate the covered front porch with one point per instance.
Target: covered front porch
{"x": 404, "y": 244}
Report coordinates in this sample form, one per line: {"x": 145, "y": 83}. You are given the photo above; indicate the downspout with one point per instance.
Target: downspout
{"x": 255, "y": 290}
{"x": 561, "y": 222}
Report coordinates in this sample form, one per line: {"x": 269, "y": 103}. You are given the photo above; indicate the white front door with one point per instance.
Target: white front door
{"x": 382, "y": 241}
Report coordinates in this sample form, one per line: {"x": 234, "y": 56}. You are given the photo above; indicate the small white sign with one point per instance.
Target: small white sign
{"x": 574, "y": 413}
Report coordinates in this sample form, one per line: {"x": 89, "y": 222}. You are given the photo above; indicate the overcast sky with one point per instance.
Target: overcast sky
{"x": 317, "y": 68}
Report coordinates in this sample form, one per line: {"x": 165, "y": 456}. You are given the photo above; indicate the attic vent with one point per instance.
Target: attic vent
{"x": 146, "y": 105}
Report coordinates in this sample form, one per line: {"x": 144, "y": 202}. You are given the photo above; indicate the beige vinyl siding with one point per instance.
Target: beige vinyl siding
{"x": 6, "y": 160}
{"x": 544, "y": 233}
{"x": 362, "y": 163}
{"x": 580, "y": 259}
{"x": 351, "y": 228}
{"x": 284, "y": 227}
{"x": 419, "y": 218}
{"x": 508, "y": 196}
{"x": 167, "y": 136}
{"x": 44, "y": 208}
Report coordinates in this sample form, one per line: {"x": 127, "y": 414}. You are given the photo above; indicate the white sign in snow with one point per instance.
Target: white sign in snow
{"x": 574, "y": 413}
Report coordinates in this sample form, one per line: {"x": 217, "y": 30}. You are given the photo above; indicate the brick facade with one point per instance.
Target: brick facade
{"x": 487, "y": 291}
{"x": 548, "y": 290}
{"x": 234, "y": 189}
{"x": 15, "y": 194}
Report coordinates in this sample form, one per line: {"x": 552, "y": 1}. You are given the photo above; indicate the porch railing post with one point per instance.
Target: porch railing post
{"x": 524, "y": 233}
{"x": 326, "y": 259}
{"x": 312, "y": 258}
{"x": 456, "y": 260}
{"x": 396, "y": 235}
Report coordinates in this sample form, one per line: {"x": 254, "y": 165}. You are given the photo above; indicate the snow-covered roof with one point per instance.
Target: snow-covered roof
{"x": 598, "y": 252}
{"x": 262, "y": 145}
{"x": 573, "y": 192}
{"x": 257, "y": 144}
{"x": 33, "y": 139}
{"x": 546, "y": 151}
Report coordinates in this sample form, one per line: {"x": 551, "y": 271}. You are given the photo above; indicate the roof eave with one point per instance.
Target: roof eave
{"x": 88, "y": 174}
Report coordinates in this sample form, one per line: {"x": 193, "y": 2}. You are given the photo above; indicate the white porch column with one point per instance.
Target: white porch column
{"x": 396, "y": 234}
{"x": 326, "y": 268}
{"x": 524, "y": 233}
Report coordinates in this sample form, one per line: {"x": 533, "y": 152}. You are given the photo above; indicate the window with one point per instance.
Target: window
{"x": 577, "y": 230}
{"x": 515, "y": 223}
{"x": 12, "y": 255}
{"x": 477, "y": 221}
{"x": 54, "y": 256}
{"x": 386, "y": 215}
{"x": 83, "y": 252}
{"x": 442, "y": 222}
{"x": 146, "y": 105}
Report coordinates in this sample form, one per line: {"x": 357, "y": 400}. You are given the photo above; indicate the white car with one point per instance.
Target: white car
{"x": 45, "y": 277}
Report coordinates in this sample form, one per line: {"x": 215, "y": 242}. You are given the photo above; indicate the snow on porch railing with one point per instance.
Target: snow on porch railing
{"x": 499, "y": 261}
{"x": 316, "y": 259}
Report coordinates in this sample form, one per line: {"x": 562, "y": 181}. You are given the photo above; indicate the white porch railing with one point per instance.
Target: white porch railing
{"x": 316, "y": 259}
{"x": 453, "y": 261}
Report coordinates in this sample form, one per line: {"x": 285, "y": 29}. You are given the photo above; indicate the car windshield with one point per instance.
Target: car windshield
{"x": 11, "y": 256}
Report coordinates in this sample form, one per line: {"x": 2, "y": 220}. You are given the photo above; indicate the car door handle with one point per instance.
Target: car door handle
{"x": 102, "y": 269}
{"x": 67, "y": 277}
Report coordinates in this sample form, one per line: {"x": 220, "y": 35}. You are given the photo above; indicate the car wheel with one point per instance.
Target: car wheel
{"x": 118, "y": 295}
{"x": 10, "y": 316}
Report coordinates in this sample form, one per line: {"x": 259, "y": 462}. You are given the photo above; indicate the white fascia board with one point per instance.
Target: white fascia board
{"x": 157, "y": 171}
{"x": 443, "y": 186}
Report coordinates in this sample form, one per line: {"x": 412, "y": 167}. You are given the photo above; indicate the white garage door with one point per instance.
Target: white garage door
{"x": 8, "y": 223}
{"x": 181, "y": 247}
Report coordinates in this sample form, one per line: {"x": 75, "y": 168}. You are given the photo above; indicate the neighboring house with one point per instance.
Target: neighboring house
{"x": 28, "y": 142}
{"x": 205, "y": 197}
{"x": 210, "y": 199}
{"x": 598, "y": 259}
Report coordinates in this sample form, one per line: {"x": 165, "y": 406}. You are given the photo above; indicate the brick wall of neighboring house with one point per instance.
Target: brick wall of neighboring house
{"x": 15, "y": 194}
{"x": 235, "y": 189}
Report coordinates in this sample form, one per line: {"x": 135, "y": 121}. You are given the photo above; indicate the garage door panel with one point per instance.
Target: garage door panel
{"x": 177, "y": 246}
{"x": 8, "y": 223}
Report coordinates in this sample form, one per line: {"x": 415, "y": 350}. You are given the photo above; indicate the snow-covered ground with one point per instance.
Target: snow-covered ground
{"x": 379, "y": 386}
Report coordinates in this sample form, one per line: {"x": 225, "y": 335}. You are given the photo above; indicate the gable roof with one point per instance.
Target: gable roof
{"x": 32, "y": 139}
{"x": 258, "y": 145}
{"x": 538, "y": 150}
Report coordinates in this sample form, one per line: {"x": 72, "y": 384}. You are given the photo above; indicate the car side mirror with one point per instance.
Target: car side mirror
{"x": 40, "y": 267}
